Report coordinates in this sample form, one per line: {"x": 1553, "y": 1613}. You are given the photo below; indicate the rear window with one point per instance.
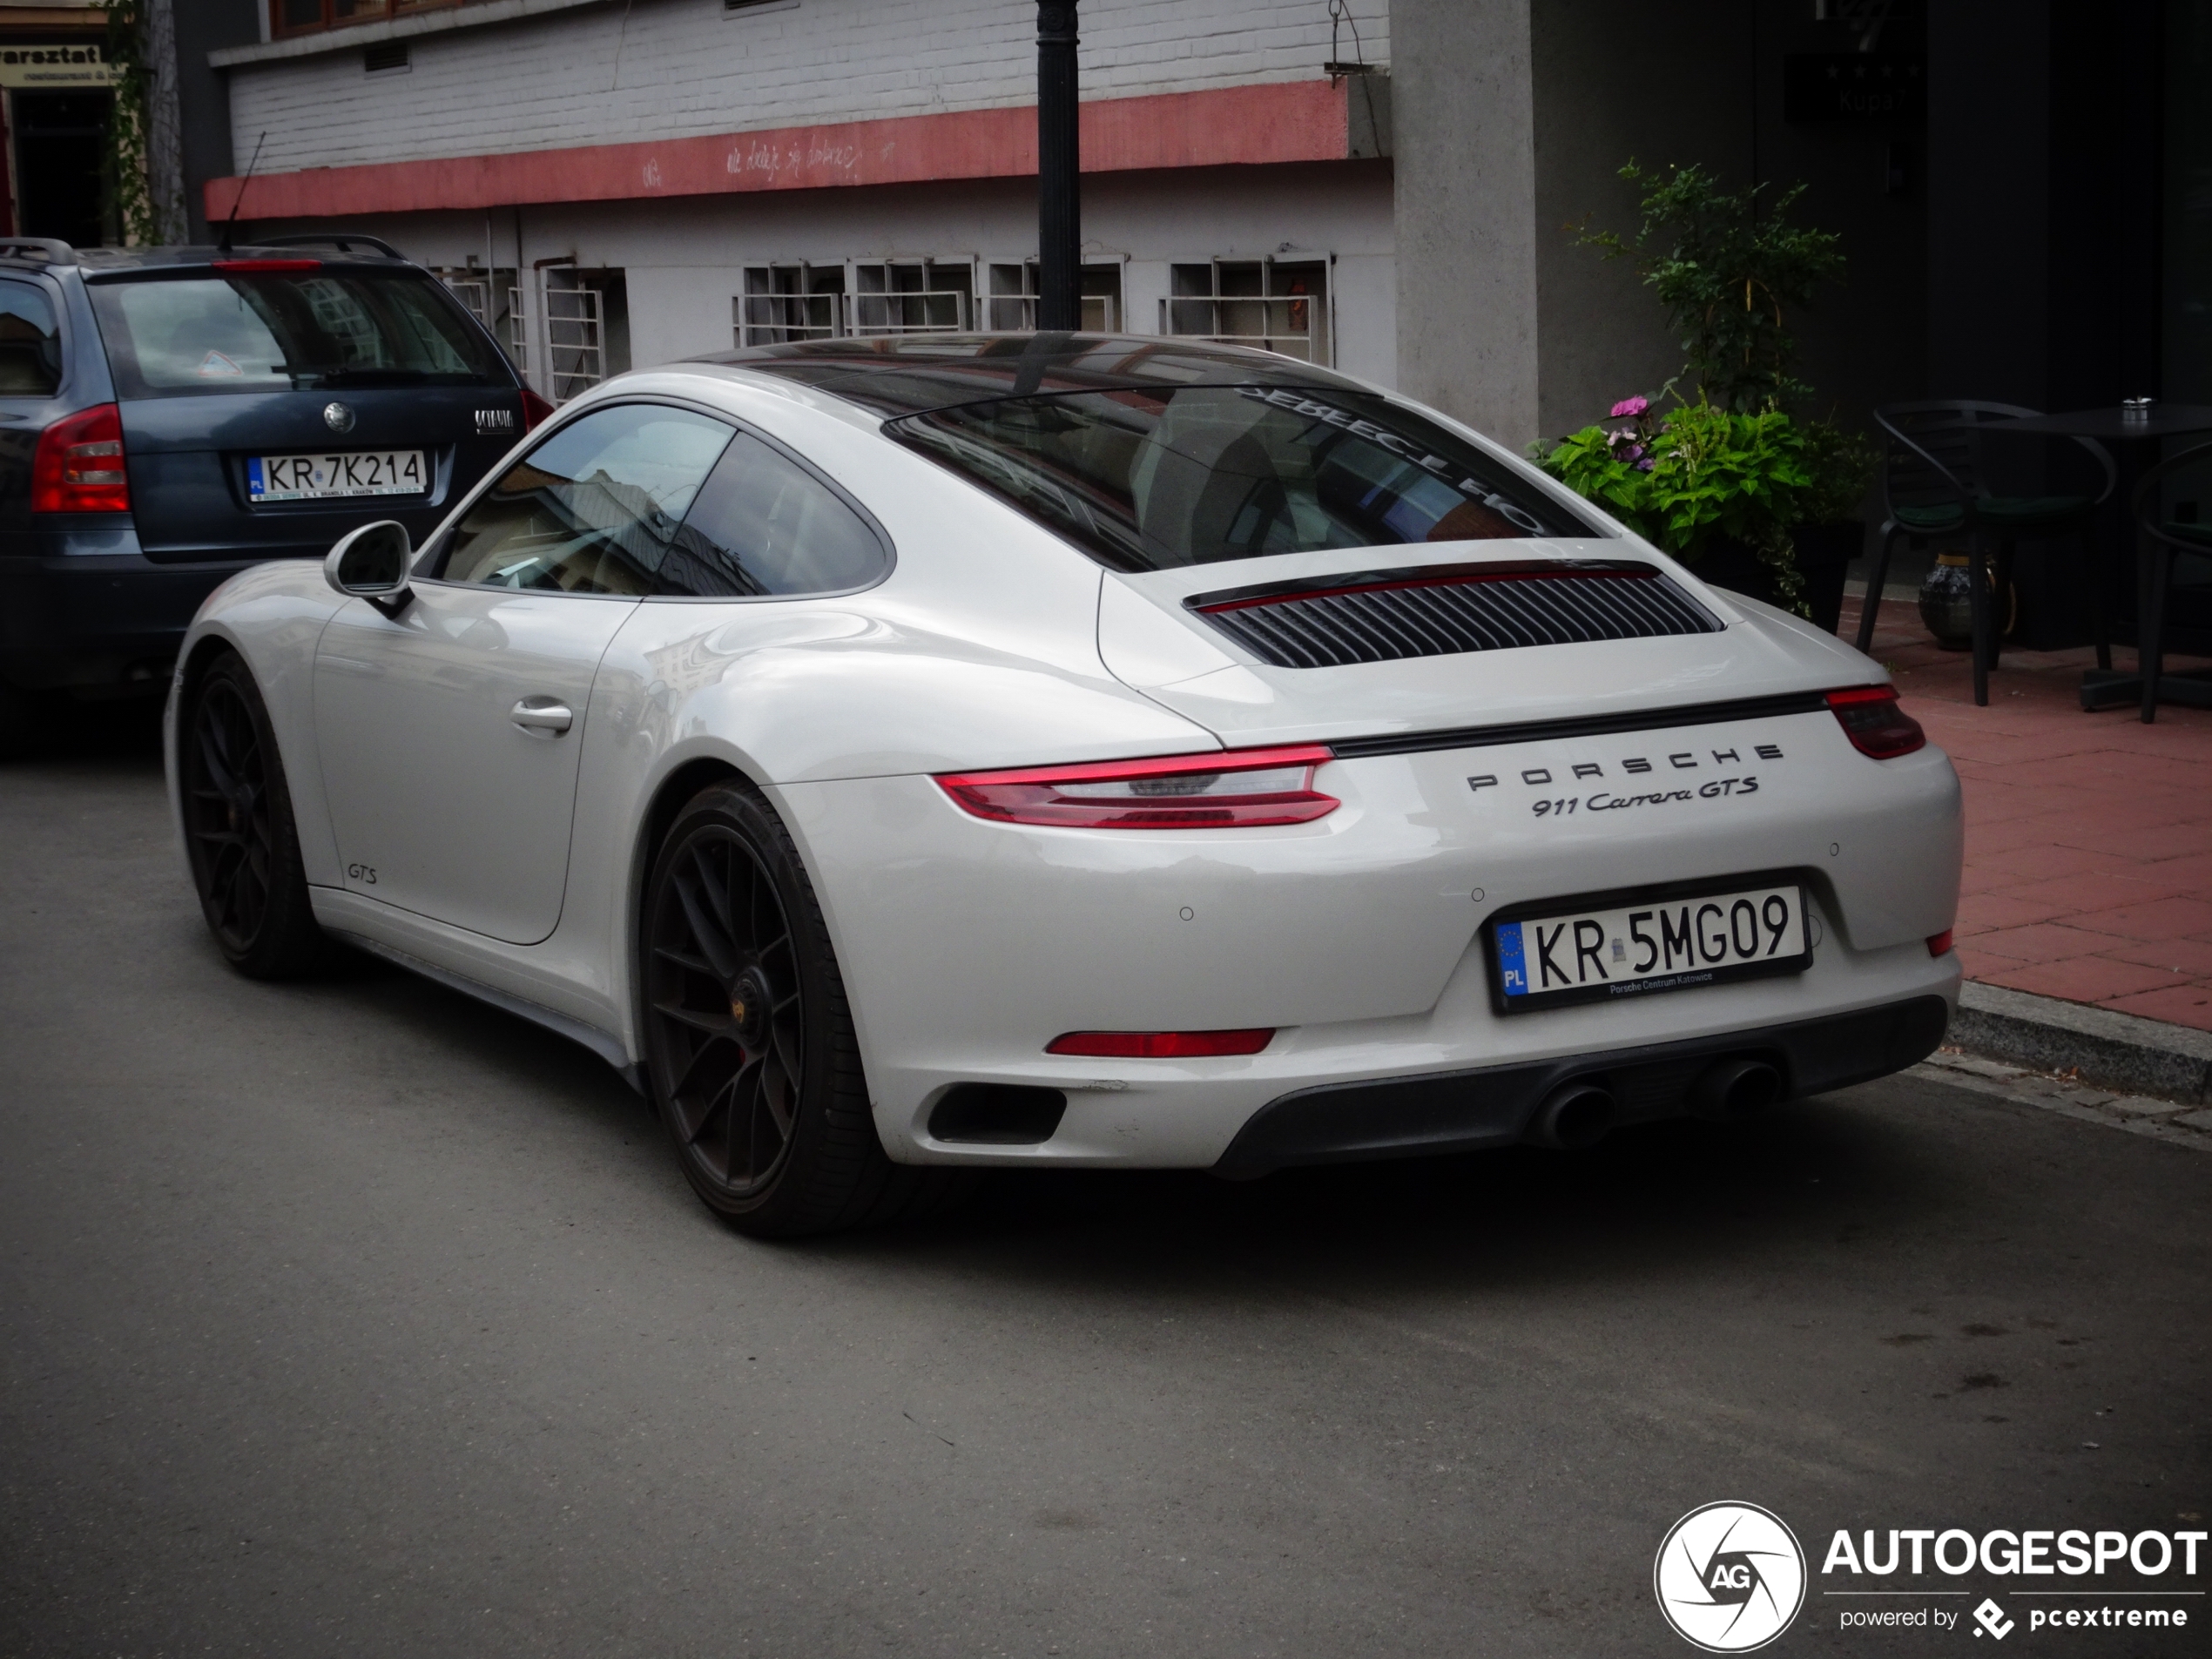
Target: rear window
{"x": 284, "y": 331}
{"x": 1151, "y": 480}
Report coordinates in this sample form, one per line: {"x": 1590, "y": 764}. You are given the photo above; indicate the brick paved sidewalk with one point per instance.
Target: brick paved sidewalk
{"x": 2088, "y": 836}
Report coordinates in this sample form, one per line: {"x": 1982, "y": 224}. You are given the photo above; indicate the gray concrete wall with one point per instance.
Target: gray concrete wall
{"x": 1466, "y": 201}
{"x": 203, "y": 97}
{"x": 1617, "y": 80}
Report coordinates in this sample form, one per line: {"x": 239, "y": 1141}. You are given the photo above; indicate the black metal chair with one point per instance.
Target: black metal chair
{"x": 2164, "y": 539}
{"x": 1933, "y": 485}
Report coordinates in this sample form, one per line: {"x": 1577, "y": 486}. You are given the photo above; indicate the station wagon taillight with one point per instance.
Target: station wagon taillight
{"x": 535, "y": 408}
{"x": 79, "y": 466}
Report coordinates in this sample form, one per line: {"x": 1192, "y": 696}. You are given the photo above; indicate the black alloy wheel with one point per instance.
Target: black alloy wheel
{"x": 239, "y": 838}
{"x": 749, "y": 1043}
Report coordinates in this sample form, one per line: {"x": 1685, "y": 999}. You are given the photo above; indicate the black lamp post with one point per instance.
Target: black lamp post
{"x": 1059, "y": 169}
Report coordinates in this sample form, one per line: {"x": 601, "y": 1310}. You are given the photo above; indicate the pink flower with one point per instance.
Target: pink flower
{"x": 1630, "y": 407}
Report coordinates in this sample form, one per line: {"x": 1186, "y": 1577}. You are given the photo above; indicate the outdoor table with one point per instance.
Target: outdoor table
{"x": 2105, "y": 688}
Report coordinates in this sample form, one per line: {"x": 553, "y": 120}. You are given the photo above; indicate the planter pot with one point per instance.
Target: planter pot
{"x": 1824, "y": 553}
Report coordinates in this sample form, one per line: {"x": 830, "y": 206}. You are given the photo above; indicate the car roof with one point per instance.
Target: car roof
{"x": 901, "y": 375}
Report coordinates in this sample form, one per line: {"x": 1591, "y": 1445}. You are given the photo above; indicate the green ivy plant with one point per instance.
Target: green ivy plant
{"x": 123, "y": 167}
{"x": 1726, "y": 273}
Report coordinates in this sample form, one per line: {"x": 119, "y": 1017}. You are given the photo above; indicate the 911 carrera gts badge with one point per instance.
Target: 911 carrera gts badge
{"x": 1665, "y": 789}
{"x": 338, "y": 417}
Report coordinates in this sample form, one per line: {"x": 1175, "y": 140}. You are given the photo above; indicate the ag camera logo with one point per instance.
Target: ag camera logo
{"x": 1729, "y": 1577}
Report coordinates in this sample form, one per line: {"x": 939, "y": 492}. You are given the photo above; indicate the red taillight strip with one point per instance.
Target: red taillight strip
{"x": 1087, "y": 771}
{"x": 1939, "y": 944}
{"x": 1161, "y": 1045}
{"x": 1037, "y": 794}
{"x": 1872, "y": 719}
{"x": 1460, "y": 580}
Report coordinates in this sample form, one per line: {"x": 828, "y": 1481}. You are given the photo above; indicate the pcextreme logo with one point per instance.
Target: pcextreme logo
{"x": 1729, "y": 1577}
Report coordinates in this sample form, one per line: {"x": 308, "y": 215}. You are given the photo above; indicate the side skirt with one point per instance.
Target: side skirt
{"x": 575, "y": 1030}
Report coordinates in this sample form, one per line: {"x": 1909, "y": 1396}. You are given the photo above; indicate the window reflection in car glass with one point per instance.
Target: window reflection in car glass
{"x": 595, "y": 509}
{"x": 762, "y": 525}
{"x": 30, "y": 345}
{"x": 1146, "y": 480}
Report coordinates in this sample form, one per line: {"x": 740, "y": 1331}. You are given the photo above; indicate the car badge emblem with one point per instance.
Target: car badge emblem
{"x": 491, "y": 421}
{"x": 338, "y": 417}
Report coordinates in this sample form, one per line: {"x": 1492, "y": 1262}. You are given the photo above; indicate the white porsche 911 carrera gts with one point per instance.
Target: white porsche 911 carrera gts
{"x": 902, "y": 755}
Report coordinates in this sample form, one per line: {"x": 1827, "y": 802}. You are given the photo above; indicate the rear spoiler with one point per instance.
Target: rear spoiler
{"x": 344, "y": 241}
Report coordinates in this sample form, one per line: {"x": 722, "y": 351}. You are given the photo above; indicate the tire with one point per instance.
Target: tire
{"x": 239, "y": 837}
{"x": 749, "y": 1050}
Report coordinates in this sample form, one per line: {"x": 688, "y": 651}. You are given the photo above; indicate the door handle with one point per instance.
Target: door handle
{"x": 541, "y": 717}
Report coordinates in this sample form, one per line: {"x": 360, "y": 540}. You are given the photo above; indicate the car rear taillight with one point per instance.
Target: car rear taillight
{"x": 535, "y": 408}
{"x": 1160, "y": 1045}
{"x": 228, "y": 265}
{"x": 1234, "y": 789}
{"x": 1874, "y": 723}
{"x": 78, "y": 464}
{"x": 1939, "y": 944}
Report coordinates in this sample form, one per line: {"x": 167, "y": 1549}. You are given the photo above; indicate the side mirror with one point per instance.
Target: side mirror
{"x": 371, "y": 563}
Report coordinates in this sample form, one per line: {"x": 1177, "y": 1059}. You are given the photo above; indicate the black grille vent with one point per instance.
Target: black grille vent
{"x": 1387, "y": 616}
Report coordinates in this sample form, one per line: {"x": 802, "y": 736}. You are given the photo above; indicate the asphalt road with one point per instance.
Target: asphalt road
{"x": 352, "y": 1317}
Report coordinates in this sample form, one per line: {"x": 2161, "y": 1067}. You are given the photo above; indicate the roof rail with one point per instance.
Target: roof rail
{"x": 45, "y": 249}
{"x": 344, "y": 241}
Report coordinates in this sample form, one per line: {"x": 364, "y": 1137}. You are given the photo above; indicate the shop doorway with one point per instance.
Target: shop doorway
{"x": 58, "y": 141}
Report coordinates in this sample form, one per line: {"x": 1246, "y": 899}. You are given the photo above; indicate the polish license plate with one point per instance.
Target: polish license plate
{"x": 335, "y": 476}
{"x": 1639, "y": 950}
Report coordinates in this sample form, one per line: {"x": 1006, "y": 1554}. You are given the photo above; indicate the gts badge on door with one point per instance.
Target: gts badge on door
{"x": 364, "y": 874}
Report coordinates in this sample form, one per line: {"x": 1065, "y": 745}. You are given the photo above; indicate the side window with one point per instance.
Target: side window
{"x": 30, "y": 342}
{"x": 764, "y": 525}
{"x": 595, "y": 509}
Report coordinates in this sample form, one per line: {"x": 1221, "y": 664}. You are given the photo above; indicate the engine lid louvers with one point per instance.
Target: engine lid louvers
{"x": 1441, "y": 610}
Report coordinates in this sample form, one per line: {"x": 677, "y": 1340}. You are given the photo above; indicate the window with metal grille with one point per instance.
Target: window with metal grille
{"x": 911, "y": 297}
{"x": 1011, "y": 305}
{"x": 1278, "y": 305}
{"x": 787, "y": 302}
{"x": 570, "y": 329}
{"x": 486, "y": 294}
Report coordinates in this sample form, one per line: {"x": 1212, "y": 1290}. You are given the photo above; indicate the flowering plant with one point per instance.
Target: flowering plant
{"x": 1699, "y": 475}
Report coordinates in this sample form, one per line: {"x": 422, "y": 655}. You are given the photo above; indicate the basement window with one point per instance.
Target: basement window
{"x": 1277, "y": 305}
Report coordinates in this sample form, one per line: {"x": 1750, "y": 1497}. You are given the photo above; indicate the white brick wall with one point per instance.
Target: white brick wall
{"x": 687, "y": 68}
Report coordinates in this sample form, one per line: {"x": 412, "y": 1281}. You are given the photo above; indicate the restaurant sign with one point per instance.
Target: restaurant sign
{"x": 1854, "y": 86}
{"x": 54, "y": 68}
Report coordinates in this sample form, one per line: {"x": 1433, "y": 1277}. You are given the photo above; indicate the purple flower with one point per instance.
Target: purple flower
{"x": 1630, "y": 407}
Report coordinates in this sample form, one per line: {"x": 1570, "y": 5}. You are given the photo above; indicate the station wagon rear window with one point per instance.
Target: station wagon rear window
{"x": 231, "y": 332}
{"x": 1150, "y": 479}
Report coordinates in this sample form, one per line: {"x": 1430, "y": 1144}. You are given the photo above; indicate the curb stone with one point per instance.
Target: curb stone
{"x": 2161, "y": 1120}
{"x": 2123, "y": 1053}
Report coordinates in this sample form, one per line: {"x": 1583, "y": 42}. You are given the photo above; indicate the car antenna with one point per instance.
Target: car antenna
{"x": 239, "y": 201}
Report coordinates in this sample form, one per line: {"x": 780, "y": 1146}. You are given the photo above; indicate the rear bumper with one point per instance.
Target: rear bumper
{"x": 91, "y": 614}
{"x": 1461, "y": 1111}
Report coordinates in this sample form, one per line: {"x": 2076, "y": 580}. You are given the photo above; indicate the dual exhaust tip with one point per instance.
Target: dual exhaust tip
{"x": 1581, "y": 1111}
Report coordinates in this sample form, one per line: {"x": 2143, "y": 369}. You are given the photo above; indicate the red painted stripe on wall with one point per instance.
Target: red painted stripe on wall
{"x": 1236, "y": 125}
